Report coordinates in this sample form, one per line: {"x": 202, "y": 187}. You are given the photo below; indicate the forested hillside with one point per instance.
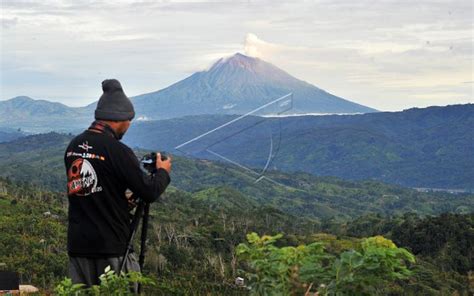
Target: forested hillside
{"x": 39, "y": 160}
{"x": 430, "y": 147}
{"x": 193, "y": 239}
{"x": 209, "y": 209}
{"x": 7, "y": 134}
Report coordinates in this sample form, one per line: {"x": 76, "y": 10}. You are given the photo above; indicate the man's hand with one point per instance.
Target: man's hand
{"x": 132, "y": 202}
{"x": 165, "y": 164}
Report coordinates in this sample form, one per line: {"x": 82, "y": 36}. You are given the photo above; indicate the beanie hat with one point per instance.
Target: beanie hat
{"x": 114, "y": 104}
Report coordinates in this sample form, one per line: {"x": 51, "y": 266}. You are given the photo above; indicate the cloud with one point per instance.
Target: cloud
{"x": 386, "y": 54}
{"x": 9, "y": 22}
{"x": 256, "y": 47}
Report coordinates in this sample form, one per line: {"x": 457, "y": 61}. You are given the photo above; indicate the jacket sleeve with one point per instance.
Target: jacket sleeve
{"x": 146, "y": 187}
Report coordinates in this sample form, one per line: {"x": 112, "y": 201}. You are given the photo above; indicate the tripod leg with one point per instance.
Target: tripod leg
{"x": 141, "y": 260}
{"x": 134, "y": 226}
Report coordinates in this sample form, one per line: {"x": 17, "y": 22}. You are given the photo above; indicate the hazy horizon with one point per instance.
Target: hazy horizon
{"x": 389, "y": 56}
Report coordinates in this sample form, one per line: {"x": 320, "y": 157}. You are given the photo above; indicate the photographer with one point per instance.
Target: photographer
{"x": 100, "y": 169}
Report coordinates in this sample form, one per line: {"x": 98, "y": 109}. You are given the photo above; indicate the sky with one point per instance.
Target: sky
{"x": 389, "y": 55}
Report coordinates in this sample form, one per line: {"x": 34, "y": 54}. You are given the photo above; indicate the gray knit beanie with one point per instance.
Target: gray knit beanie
{"x": 114, "y": 104}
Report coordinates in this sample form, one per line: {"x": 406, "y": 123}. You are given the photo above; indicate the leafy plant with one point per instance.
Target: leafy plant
{"x": 366, "y": 272}
{"x": 294, "y": 270}
{"x": 66, "y": 287}
{"x": 110, "y": 284}
{"x": 282, "y": 271}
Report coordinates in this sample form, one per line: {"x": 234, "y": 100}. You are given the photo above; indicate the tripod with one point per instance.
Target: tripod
{"x": 142, "y": 210}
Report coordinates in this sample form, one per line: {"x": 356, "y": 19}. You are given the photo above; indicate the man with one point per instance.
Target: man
{"x": 100, "y": 169}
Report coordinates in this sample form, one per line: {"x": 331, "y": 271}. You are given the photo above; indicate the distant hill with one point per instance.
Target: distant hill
{"x": 429, "y": 147}
{"x": 234, "y": 85}
{"x": 42, "y": 116}
{"x": 7, "y": 134}
{"x": 38, "y": 160}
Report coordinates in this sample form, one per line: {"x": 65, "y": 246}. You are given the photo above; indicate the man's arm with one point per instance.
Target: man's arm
{"x": 146, "y": 187}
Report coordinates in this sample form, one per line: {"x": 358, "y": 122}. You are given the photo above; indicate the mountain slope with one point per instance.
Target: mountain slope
{"x": 40, "y": 162}
{"x": 430, "y": 147}
{"x": 187, "y": 234}
{"x": 36, "y": 159}
{"x": 40, "y": 115}
{"x": 237, "y": 85}
{"x": 26, "y": 107}
{"x": 7, "y": 134}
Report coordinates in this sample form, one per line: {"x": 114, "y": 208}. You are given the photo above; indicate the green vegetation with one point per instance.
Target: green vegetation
{"x": 33, "y": 233}
{"x": 193, "y": 245}
{"x": 211, "y": 207}
{"x": 446, "y": 240}
{"x": 443, "y": 245}
{"x": 296, "y": 270}
{"x": 39, "y": 160}
{"x": 110, "y": 284}
{"x": 36, "y": 161}
{"x": 429, "y": 147}
{"x": 7, "y": 134}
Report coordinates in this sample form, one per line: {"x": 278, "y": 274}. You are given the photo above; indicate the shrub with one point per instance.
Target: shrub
{"x": 295, "y": 270}
{"x": 110, "y": 284}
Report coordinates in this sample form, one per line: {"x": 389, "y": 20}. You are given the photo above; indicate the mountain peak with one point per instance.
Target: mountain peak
{"x": 236, "y": 60}
{"x": 244, "y": 71}
{"x": 242, "y": 58}
{"x": 235, "y": 85}
{"x": 21, "y": 99}
{"x": 27, "y": 101}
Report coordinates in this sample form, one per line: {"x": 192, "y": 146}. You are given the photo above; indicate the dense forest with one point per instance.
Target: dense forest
{"x": 200, "y": 235}
{"x": 426, "y": 147}
{"x": 193, "y": 241}
{"x": 38, "y": 160}
{"x": 418, "y": 147}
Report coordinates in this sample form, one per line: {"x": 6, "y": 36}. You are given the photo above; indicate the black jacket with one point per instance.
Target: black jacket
{"x": 100, "y": 169}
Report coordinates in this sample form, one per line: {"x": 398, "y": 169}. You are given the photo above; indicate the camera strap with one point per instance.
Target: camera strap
{"x": 103, "y": 127}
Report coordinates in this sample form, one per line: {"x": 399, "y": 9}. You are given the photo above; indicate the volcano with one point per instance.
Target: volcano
{"x": 237, "y": 85}
{"x": 233, "y": 85}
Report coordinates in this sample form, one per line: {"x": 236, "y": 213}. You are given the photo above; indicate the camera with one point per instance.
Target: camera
{"x": 148, "y": 161}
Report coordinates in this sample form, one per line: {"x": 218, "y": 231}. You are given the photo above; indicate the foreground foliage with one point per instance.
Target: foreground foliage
{"x": 110, "y": 284}
{"x": 291, "y": 270}
{"x": 193, "y": 238}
